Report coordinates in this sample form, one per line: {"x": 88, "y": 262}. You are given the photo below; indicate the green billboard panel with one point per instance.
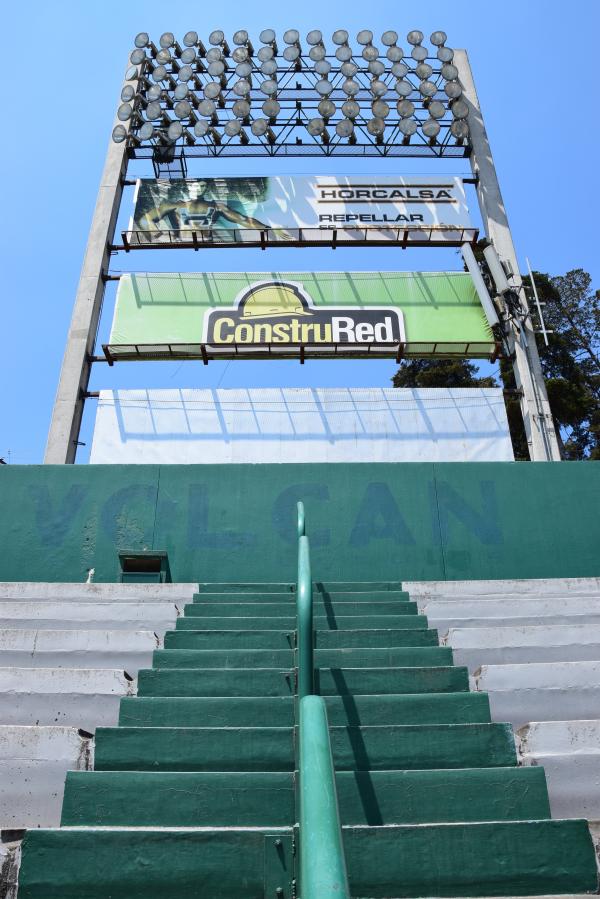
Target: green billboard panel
{"x": 227, "y": 314}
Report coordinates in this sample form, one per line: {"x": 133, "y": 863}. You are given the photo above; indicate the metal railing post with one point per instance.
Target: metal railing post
{"x": 304, "y": 605}
{"x": 322, "y": 862}
{"x": 301, "y": 520}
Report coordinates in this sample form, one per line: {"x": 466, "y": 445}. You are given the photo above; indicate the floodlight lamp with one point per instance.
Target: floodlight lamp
{"x": 419, "y": 53}
{"x": 326, "y": 108}
{"x": 323, "y": 67}
{"x": 408, "y": 127}
{"x": 314, "y": 37}
{"x": 427, "y": 89}
{"x": 201, "y": 129}
{"x": 378, "y": 88}
{"x": 215, "y": 54}
{"x": 376, "y": 67}
{"x": 365, "y": 37}
{"x": 185, "y": 74}
{"x": 240, "y": 38}
{"x": 159, "y": 73}
{"x": 175, "y": 131}
{"x": 124, "y": 112}
{"x": 216, "y": 38}
{"x": 154, "y": 110}
{"x": 292, "y": 53}
{"x": 403, "y": 88}
{"x": 405, "y": 109}
{"x": 350, "y": 87}
{"x": 216, "y": 69}
{"x": 431, "y": 128}
{"x": 181, "y": 92}
{"x": 241, "y": 88}
{"x": 348, "y": 69}
{"x": 423, "y": 71}
{"x": 449, "y": 72}
{"x": 243, "y": 69}
{"x": 265, "y": 53}
{"x": 259, "y": 127}
{"x": 212, "y": 90}
{"x": 340, "y": 37}
{"x": 206, "y": 107}
{"x": 119, "y": 134}
{"x": 460, "y": 130}
{"x": 137, "y": 57}
{"x": 167, "y": 40}
{"x": 350, "y": 109}
{"x": 233, "y": 127}
{"x": 316, "y": 127}
{"x": 445, "y": 54}
{"x": 190, "y": 39}
{"x": 188, "y": 56}
{"x": 460, "y": 110}
{"x": 131, "y": 73}
{"x": 453, "y": 90}
{"x": 269, "y": 67}
{"x": 128, "y": 93}
{"x": 142, "y": 40}
{"x": 146, "y": 132}
{"x": 381, "y": 109}
{"x": 267, "y": 36}
{"x": 154, "y": 92}
{"x": 436, "y": 109}
{"x": 344, "y": 128}
{"x": 400, "y": 69}
{"x": 376, "y": 126}
{"x": 317, "y": 52}
{"x": 324, "y": 87}
{"x": 241, "y": 109}
{"x": 414, "y": 37}
{"x": 343, "y": 53}
{"x": 269, "y": 87}
{"x": 438, "y": 38}
{"x": 291, "y": 36}
{"x": 370, "y": 52}
{"x": 182, "y": 109}
{"x": 271, "y": 108}
{"x": 389, "y": 38}
{"x": 395, "y": 53}
{"x": 163, "y": 57}
{"x": 240, "y": 54}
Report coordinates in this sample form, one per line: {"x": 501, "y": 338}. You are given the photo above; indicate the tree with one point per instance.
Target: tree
{"x": 439, "y": 373}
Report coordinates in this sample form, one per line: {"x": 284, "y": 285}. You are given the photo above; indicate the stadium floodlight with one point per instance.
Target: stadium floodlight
{"x": 419, "y": 53}
{"x": 292, "y": 53}
{"x": 183, "y": 109}
{"x": 314, "y": 37}
{"x": 241, "y": 88}
{"x": 407, "y": 127}
{"x": 423, "y": 71}
{"x": 182, "y": 92}
{"x": 403, "y": 88}
{"x": 317, "y": 52}
{"x": 343, "y": 53}
{"x": 378, "y": 88}
{"x": 265, "y": 53}
{"x": 188, "y": 56}
{"x": 190, "y": 39}
{"x": 376, "y": 126}
{"x": 240, "y": 54}
{"x": 389, "y": 38}
{"x": 137, "y": 57}
{"x": 345, "y": 128}
{"x": 436, "y": 109}
{"x": 241, "y": 109}
{"x": 201, "y": 128}
{"x": 291, "y": 36}
{"x": 340, "y": 37}
{"x": 323, "y": 67}
{"x": 427, "y": 89}
{"x": 350, "y": 109}
{"x": 460, "y": 110}
{"x": 453, "y": 90}
{"x": 119, "y": 134}
{"x": 146, "y": 132}
{"x": 262, "y": 128}
{"x": 449, "y": 72}
{"x": 376, "y": 67}
{"x": 271, "y": 109}
{"x": 154, "y": 92}
{"x": 185, "y": 74}
{"x": 365, "y": 37}
{"x": 269, "y": 67}
{"x": 405, "y": 108}
{"x": 348, "y": 69}
{"x": 316, "y": 127}
{"x": 269, "y": 87}
{"x": 128, "y": 93}
{"x": 445, "y": 54}
{"x": 381, "y": 109}
{"x": 142, "y": 40}
{"x": 400, "y": 69}
{"x": 438, "y": 38}
{"x": 167, "y": 40}
{"x": 324, "y": 87}
{"x": 207, "y": 108}
{"x": 431, "y": 128}
{"x": 415, "y": 37}
{"x": 326, "y": 109}
{"x": 163, "y": 57}
{"x": 154, "y": 110}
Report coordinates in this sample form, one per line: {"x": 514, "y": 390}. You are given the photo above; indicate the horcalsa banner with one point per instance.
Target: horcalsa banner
{"x": 279, "y": 313}
{"x": 234, "y": 209}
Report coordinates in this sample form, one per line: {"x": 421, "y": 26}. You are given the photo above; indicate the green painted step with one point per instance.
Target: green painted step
{"x": 279, "y": 609}
{"x": 218, "y": 799}
{"x": 228, "y": 639}
{"x": 341, "y": 622}
{"x": 282, "y": 586}
{"x": 288, "y": 598}
{"x": 194, "y": 749}
{"x": 234, "y": 711}
{"x": 525, "y": 858}
{"x": 163, "y": 864}
{"x": 403, "y": 656}
{"x": 181, "y": 799}
{"x": 383, "y": 747}
{"x": 281, "y": 682}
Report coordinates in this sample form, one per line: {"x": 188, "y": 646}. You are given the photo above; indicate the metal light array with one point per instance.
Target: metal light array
{"x": 292, "y": 96}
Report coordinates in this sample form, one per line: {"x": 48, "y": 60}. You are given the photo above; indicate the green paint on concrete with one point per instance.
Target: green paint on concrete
{"x": 235, "y": 682}
{"x": 424, "y": 797}
{"x": 500, "y": 859}
{"x": 405, "y": 521}
{"x": 333, "y": 611}
{"x": 365, "y": 681}
{"x": 320, "y": 597}
{"x": 346, "y": 622}
{"x": 406, "y": 657}
{"x": 165, "y": 799}
{"x": 241, "y": 639}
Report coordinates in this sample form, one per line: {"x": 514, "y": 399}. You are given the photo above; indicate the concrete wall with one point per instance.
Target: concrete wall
{"x": 406, "y": 521}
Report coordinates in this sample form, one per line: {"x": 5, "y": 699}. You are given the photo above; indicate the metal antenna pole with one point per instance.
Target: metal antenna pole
{"x": 76, "y": 367}
{"x": 535, "y": 408}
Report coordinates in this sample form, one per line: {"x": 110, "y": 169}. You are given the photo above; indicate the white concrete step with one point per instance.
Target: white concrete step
{"x": 553, "y": 691}
{"x": 27, "y": 648}
{"x": 570, "y": 754}
{"x": 156, "y": 616}
{"x": 542, "y": 606}
{"x": 497, "y": 645}
{"x": 34, "y": 763}
{"x": 443, "y": 625}
{"x": 25, "y": 591}
{"x": 78, "y": 697}
{"x": 497, "y": 588}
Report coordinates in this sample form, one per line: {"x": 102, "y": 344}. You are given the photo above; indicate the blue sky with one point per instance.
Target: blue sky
{"x": 535, "y": 71}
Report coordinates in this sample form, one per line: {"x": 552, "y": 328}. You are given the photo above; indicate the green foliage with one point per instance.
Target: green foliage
{"x": 440, "y": 373}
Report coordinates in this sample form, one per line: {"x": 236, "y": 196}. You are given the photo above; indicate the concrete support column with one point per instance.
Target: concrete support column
{"x": 535, "y": 408}
{"x": 76, "y": 367}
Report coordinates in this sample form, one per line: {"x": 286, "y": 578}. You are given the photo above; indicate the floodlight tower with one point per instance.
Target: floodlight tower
{"x": 191, "y": 100}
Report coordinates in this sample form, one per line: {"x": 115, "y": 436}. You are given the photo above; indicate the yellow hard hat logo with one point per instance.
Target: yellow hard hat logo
{"x": 273, "y": 299}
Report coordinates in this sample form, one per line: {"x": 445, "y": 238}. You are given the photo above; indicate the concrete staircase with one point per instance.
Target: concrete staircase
{"x": 193, "y": 793}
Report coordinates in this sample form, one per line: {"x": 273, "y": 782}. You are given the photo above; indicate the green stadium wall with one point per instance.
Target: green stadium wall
{"x": 237, "y": 522}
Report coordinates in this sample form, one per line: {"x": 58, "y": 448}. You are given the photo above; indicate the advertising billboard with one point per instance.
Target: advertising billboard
{"x": 303, "y": 207}
{"x": 227, "y": 314}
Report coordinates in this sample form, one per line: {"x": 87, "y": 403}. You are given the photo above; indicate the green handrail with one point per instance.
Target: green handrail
{"x": 304, "y": 607}
{"x": 301, "y": 520}
{"x": 322, "y": 862}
